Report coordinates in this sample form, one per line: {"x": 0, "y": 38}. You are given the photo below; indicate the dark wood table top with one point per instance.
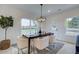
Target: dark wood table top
{"x": 38, "y": 35}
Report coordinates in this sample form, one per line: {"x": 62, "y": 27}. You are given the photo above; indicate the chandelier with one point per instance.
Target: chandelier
{"x": 41, "y": 18}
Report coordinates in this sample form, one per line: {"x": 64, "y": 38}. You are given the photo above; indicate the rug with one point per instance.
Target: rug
{"x": 51, "y": 49}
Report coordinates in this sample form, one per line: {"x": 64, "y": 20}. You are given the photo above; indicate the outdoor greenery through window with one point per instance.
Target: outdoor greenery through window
{"x": 72, "y": 25}
{"x": 28, "y": 27}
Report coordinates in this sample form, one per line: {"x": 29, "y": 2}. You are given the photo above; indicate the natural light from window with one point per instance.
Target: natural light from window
{"x": 72, "y": 25}
{"x": 28, "y": 27}
{"x": 25, "y": 22}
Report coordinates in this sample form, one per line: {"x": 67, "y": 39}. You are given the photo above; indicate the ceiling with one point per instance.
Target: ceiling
{"x": 48, "y": 9}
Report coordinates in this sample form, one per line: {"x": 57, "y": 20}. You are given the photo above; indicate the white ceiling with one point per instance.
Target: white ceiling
{"x": 34, "y": 9}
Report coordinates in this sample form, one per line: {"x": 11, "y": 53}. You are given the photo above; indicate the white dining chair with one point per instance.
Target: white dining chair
{"x": 22, "y": 43}
{"x": 41, "y": 43}
{"x": 51, "y": 39}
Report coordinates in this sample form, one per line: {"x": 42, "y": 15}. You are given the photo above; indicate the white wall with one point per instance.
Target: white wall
{"x": 59, "y": 21}
{"x": 13, "y": 32}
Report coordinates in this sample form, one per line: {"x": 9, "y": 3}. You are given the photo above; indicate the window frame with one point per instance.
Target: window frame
{"x": 71, "y": 31}
{"x": 29, "y": 27}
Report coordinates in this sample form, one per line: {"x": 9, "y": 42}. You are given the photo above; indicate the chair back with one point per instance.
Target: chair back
{"x": 22, "y": 42}
{"x": 41, "y": 43}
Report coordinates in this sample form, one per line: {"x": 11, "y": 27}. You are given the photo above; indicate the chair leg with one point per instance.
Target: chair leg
{"x": 21, "y": 51}
{"x": 47, "y": 49}
{"x": 18, "y": 50}
{"x": 35, "y": 50}
{"x": 32, "y": 50}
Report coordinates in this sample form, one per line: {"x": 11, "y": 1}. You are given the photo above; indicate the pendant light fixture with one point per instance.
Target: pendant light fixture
{"x": 41, "y": 18}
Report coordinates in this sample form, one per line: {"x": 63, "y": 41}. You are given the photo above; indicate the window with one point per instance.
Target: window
{"x": 72, "y": 25}
{"x": 28, "y": 26}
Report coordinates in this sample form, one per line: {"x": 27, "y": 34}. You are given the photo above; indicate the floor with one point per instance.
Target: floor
{"x": 66, "y": 49}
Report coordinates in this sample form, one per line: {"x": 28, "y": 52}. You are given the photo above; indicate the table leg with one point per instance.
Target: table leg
{"x": 29, "y": 46}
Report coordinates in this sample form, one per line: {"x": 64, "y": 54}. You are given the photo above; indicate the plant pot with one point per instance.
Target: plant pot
{"x": 4, "y": 44}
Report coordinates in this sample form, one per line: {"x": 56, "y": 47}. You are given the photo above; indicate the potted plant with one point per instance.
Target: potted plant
{"x": 5, "y": 23}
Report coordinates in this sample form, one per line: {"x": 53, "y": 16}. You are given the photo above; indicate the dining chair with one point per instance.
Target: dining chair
{"x": 22, "y": 43}
{"x": 41, "y": 43}
{"x": 51, "y": 39}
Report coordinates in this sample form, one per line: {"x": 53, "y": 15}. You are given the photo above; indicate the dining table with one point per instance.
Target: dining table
{"x": 35, "y": 36}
